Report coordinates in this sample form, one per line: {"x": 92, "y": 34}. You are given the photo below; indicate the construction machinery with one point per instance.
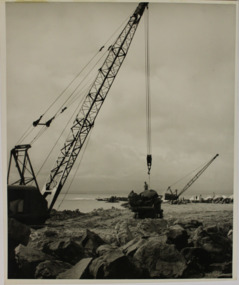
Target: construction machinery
{"x": 25, "y": 202}
{"x": 147, "y": 204}
{"x": 174, "y": 195}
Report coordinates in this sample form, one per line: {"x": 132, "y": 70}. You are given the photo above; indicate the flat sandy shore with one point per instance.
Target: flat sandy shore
{"x": 103, "y": 222}
{"x": 207, "y": 213}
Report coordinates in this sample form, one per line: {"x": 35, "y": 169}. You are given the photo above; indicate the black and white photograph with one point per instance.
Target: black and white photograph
{"x": 121, "y": 141}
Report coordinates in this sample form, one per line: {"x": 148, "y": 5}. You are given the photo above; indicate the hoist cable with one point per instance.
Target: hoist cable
{"x": 42, "y": 130}
{"x": 87, "y": 140}
{"x": 71, "y": 82}
{"x": 40, "y": 133}
{"x": 84, "y": 91}
{"x": 91, "y": 61}
{"x": 85, "y": 146}
{"x": 78, "y": 85}
{"x": 25, "y": 134}
{"x": 76, "y": 109}
{"x": 148, "y": 99}
{"x": 147, "y": 77}
{"x": 72, "y": 93}
{"x": 28, "y": 131}
{"x": 191, "y": 172}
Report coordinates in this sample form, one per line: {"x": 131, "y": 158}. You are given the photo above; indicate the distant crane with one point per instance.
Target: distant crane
{"x": 172, "y": 196}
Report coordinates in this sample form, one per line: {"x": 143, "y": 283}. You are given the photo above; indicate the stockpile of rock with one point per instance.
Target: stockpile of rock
{"x": 139, "y": 249}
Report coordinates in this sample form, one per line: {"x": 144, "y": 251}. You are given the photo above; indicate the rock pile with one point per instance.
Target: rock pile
{"x": 17, "y": 234}
{"x": 139, "y": 249}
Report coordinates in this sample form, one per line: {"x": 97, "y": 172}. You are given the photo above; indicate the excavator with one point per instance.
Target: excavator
{"x": 173, "y": 196}
{"x": 26, "y": 202}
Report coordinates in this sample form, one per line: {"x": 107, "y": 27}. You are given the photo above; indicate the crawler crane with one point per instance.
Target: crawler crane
{"x": 26, "y": 203}
{"x": 173, "y": 196}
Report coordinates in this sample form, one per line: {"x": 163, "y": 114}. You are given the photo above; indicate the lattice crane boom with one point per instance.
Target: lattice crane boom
{"x": 196, "y": 176}
{"x": 85, "y": 119}
{"x": 175, "y": 195}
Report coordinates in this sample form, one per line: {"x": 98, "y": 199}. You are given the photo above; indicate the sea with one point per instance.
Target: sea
{"x": 86, "y": 203}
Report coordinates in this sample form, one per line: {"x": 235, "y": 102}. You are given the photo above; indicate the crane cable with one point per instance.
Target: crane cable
{"x": 61, "y": 109}
{"x": 30, "y": 129}
{"x": 188, "y": 174}
{"x": 74, "y": 99}
{"x": 84, "y": 149}
{"x": 73, "y": 114}
{"x": 148, "y": 99}
{"x": 84, "y": 68}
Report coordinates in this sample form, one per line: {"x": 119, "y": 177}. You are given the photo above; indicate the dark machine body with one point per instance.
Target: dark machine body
{"x": 146, "y": 204}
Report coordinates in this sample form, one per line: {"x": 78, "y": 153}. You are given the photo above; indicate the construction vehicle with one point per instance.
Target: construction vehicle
{"x": 25, "y": 202}
{"x": 174, "y": 195}
{"x": 147, "y": 204}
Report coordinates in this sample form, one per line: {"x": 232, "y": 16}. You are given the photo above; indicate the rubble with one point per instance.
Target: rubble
{"x": 134, "y": 248}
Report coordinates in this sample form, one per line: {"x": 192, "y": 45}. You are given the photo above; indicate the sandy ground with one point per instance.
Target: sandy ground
{"x": 103, "y": 222}
{"x": 206, "y": 213}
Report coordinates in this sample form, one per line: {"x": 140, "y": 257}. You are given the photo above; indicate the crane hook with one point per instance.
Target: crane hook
{"x": 149, "y": 162}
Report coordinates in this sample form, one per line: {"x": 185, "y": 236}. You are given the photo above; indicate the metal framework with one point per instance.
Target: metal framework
{"x": 195, "y": 177}
{"x": 85, "y": 119}
{"x": 23, "y": 164}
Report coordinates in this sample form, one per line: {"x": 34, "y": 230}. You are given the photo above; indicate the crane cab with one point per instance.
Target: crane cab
{"x": 27, "y": 205}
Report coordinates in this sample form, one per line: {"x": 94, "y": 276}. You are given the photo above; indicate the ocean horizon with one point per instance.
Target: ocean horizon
{"x": 87, "y": 202}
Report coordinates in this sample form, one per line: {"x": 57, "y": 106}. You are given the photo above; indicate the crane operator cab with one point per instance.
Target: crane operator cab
{"x": 147, "y": 204}
{"x": 27, "y": 205}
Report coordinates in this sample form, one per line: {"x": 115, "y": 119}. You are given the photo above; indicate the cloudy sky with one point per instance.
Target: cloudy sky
{"x": 192, "y": 66}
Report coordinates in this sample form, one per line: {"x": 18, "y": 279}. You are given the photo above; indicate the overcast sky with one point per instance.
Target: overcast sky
{"x": 192, "y": 66}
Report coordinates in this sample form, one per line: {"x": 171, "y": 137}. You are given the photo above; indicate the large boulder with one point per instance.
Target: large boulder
{"x": 49, "y": 269}
{"x": 123, "y": 233}
{"x": 28, "y": 258}
{"x": 225, "y": 267}
{"x": 65, "y": 249}
{"x": 131, "y": 247}
{"x": 212, "y": 240}
{"x": 18, "y": 233}
{"x": 224, "y": 228}
{"x": 132, "y": 228}
{"x": 149, "y": 227}
{"x": 78, "y": 271}
{"x": 114, "y": 265}
{"x": 104, "y": 248}
{"x": 188, "y": 225}
{"x": 160, "y": 259}
{"x": 178, "y": 236}
{"x": 197, "y": 262}
{"x": 90, "y": 242}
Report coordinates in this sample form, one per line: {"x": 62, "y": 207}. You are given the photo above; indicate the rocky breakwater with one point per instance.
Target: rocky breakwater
{"x": 111, "y": 244}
